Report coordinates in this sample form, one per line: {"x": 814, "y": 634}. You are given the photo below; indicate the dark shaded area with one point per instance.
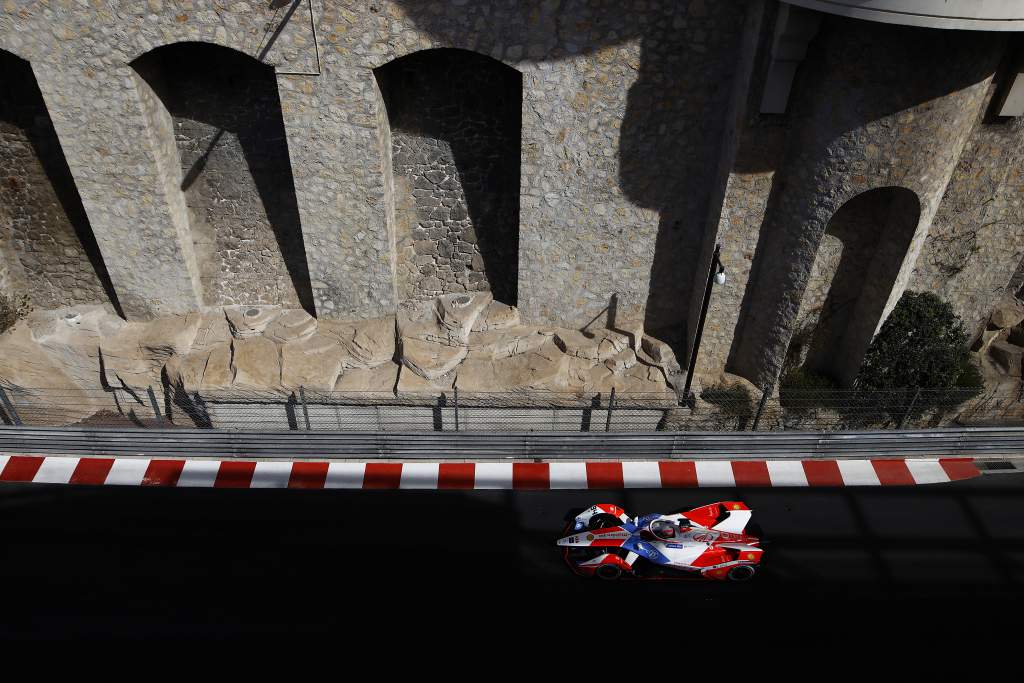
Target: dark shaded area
{"x": 51, "y": 235}
{"x": 669, "y": 148}
{"x": 834, "y": 98}
{"x": 139, "y": 562}
{"x": 874, "y": 230}
{"x": 456, "y": 122}
{"x": 236, "y": 173}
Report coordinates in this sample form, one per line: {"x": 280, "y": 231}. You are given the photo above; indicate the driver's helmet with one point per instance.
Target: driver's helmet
{"x": 664, "y": 529}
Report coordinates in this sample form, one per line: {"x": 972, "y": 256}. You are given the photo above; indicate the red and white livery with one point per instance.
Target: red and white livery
{"x": 715, "y": 541}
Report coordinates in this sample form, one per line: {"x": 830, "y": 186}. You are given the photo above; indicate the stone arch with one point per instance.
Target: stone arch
{"x": 452, "y": 137}
{"x": 47, "y": 247}
{"x": 215, "y": 116}
{"x": 852, "y": 280}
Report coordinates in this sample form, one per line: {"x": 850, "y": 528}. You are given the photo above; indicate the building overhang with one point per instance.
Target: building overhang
{"x": 969, "y": 15}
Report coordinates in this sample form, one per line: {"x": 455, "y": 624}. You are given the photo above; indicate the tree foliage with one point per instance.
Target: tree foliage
{"x": 923, "y": 344}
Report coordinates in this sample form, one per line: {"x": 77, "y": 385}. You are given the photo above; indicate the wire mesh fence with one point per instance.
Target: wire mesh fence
{"x": 306, "y": 409}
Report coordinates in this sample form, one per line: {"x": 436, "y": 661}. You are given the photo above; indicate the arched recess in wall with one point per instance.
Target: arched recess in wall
{"x": 219, "y": 134}
{"x": 854, "y": 272}
{"x": 455, "y": 122}
{"x": 47, "y": 247}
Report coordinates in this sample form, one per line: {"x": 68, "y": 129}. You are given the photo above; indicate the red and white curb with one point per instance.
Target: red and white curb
{"x": 467, "y": 475}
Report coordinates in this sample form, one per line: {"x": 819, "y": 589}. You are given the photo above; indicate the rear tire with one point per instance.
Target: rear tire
{"x": 741, "y": 573}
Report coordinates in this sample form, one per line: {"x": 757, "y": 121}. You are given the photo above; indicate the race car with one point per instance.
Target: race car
{"x": 715, "y": 541}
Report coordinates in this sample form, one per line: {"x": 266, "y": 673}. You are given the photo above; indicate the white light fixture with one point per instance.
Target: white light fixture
{"x": 720, "y": 275}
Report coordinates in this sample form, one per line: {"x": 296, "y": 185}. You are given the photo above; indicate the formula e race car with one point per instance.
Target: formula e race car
{"x": 713, "y": 542}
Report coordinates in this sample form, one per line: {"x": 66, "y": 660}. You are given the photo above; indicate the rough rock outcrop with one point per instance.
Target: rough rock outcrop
{"x": 1007, "y": 313}
{"x": 434, "y": 337}
{"x": 458, "y": 341}
{"x": 250, "y": 321}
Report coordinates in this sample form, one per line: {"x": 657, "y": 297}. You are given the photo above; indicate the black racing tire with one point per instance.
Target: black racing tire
{"x": 741, "y": 572}
{"x": 603, "y": 520}
{"x": 608, "y": 572}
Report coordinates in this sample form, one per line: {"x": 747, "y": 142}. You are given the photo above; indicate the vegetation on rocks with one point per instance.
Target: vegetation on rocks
{"x": 734, "y": 401}
{"x": 12, "y": 309}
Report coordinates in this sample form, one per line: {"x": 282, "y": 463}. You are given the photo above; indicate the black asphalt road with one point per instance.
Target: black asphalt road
{"x": 143, "y": 562}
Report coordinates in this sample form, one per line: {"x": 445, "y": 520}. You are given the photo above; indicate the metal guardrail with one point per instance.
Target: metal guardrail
{"x": 454, "y": 446}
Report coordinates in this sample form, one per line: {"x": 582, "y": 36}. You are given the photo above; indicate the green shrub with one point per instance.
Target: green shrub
{"x": 971, "y": 378}
{"x": 733, "y": 400}
{"x": 802, "y": 389}
{"x": 920, "y": 358}
{"x": 922, "y": 345}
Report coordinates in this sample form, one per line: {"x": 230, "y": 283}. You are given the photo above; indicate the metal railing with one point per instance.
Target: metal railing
{"x": 305, "y": 409}
{"x": 976, "y": 442}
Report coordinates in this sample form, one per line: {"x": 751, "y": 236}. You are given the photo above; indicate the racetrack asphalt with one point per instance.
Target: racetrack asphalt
{"x": 138, "y": 562}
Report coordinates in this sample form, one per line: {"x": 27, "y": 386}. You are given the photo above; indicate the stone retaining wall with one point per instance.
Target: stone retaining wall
{"x": 639, "y": 147}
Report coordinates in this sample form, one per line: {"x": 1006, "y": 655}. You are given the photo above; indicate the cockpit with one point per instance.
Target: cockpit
{"x": 667, "y": 530}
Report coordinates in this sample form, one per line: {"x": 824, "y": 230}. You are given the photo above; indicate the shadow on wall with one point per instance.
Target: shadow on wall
{"x": 855, "y": 270}
{"x": 850, "y": 124}
{"x": 456, "y": 122}
{"x": 236, "y": 173}
{"x": 674, "y": 114}
{"x": 50, "y": 235}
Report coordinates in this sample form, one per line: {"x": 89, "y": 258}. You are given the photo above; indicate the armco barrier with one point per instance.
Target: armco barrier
{"x": 978, "y": 442}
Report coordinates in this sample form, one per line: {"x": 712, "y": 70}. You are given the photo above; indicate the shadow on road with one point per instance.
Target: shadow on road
{"x": 130, "y": 560}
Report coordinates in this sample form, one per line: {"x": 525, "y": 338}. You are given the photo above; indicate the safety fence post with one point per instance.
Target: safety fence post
{"x": 9, "y": 408}
{"x": 455, "y": 391}
{"x": 611, "y": 407}
{"x": 760, "y": 405}
{"x": 305, "y": 408}
{"x": 156, "y": 406}
{"x": 913, "y": 402}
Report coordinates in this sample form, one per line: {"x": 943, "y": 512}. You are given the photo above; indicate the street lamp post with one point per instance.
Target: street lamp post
{"x": 716, "y": 274}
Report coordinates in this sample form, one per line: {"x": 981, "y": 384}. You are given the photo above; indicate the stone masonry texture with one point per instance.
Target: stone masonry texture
{"x": 47, "y": 250}
{"x": 235, "y": 173}
{"x": 455, "y": 127}
{"x": 563, "y": 154}
{"x": 897, "y": 117}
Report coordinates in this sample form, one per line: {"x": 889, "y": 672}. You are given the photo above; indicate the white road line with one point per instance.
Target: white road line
{"x": 271, "y": 475}
{"x": 345, "y": 475}
{"x": 419, "y": 475}
{"x": 927, "y": 471}
{"x": 641, "y": 475}
{"x": 715, "y": 473}
{"x": 858, "y": 473}
{"x": 493, "y": 475}
{"x": 55, "y": 471}
{"x": 786, "y": 472}
{"x": 199, "y": 473}
{"x": 127, "y": 471}
{"x": 568, "y": 475}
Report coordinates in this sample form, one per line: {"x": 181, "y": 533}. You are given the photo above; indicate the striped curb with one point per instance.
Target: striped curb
{"x": 459, "y": 475}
